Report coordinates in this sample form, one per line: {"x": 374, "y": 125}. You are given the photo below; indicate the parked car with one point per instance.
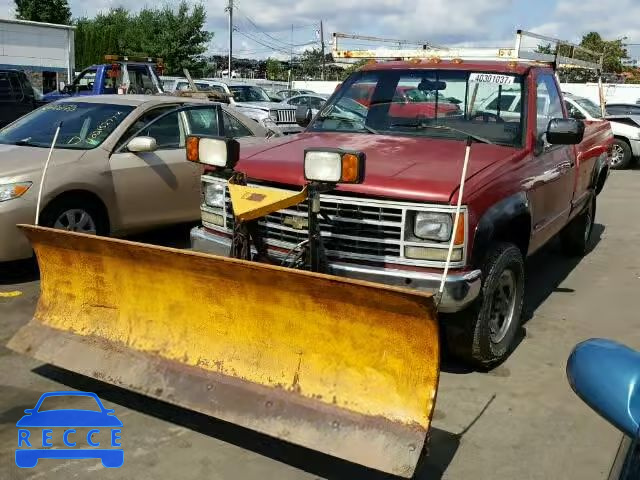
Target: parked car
{"x": 182, "y": 84}
{"x": 531, "y": 177}
{"x": 606, "y": 375}
{"x": 623, "y": 109}
{"x": 17, "y": 96}
{"x": 293, "y": 92}
{"x": 119, "y": 165}
{"x": 625, "y": 127}
{"x": 255, "y": 103}
{"x": 313, "y": 101}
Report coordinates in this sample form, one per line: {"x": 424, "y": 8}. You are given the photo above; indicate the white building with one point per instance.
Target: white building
{"x": 44, "y": 51}
{"x": 631, "y": 62}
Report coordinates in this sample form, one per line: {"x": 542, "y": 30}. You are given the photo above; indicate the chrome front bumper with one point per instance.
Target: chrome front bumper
{"x": 459, "y": 291}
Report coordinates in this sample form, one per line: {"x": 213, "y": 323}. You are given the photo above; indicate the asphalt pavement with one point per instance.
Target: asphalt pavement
{"x": 519, "y": 421}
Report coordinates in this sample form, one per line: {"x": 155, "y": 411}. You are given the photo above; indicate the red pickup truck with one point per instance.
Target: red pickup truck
{"x": 533, "y": 173}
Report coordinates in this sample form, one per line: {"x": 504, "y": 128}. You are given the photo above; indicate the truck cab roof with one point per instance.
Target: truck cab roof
{"x": 519, "y": 67}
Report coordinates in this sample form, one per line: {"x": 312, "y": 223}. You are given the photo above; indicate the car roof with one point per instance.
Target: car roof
{"x": 324, "y": 96}
{"x": 132, "y": 100}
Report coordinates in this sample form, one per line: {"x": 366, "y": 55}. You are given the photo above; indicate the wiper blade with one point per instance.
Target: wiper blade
{"x": 350, "y": 120}
{"x": 25, "y": 143}
{"x": 420, "y": 125}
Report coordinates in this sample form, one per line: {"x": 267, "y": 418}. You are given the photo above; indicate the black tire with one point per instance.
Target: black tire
{"x": 469, "y": 333}
{"x": 575, "y": 238}
{"x": 58, "y": 208}
{"x": 621, "y": 155}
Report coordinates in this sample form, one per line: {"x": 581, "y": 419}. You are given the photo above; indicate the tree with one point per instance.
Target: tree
{"x": 274, "y": 69}
{"x": 175, "y": 35}
{"x": 613, "y": 52}
{"x": 49, "y": 11}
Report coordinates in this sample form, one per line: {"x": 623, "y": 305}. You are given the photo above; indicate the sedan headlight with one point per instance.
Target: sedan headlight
{"x": 214, "y": 194}
{"x": 434, "y": 226}
{"x": 13, "y": 190}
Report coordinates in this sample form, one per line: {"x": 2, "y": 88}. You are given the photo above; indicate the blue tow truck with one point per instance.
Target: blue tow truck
{"x": 120, "y": 75}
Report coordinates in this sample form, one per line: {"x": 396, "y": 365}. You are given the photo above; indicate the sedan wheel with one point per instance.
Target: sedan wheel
{"x": 76, "y": 220}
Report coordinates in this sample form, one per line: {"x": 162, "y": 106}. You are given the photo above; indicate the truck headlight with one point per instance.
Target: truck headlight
{"x": 13, "y": 190}
{"x": 435, "y": 226}
{"x": 273, "y": 115}
{"x": 214, "y": 194}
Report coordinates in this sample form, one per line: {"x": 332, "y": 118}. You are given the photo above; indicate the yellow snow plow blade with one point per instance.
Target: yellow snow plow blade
{"x": 345, "y": 367}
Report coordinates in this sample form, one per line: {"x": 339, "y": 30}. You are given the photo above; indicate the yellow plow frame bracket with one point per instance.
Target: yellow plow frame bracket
{"x": 345, "y": 367}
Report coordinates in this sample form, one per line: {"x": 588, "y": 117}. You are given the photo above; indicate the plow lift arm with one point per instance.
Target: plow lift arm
{"x": 344, "y": 367}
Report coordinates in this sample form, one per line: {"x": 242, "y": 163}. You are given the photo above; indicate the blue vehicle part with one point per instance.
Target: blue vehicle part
{"x": 69, "y": 417}
{"x": 110, "y": 458}
{"x": 606, "y": 376}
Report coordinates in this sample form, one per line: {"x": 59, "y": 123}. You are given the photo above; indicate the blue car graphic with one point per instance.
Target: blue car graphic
{"x": 69, "y": 418}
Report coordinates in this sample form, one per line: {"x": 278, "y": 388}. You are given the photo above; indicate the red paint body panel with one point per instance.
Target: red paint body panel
{"x": 419, "y": 169}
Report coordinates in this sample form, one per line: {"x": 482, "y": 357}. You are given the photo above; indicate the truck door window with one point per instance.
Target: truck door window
{"x": 15, "y": 86}
{"x": 547, "y": 89}
{"x": 572, "y": 111}
{"x": 141, "y": 121}
{"x": 6, "y": 93}
{"x": 84, "y": 81}
{"x": 140, "y": 79}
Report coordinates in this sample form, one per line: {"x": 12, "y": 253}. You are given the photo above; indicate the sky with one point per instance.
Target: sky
{"x": 264, "y": 26}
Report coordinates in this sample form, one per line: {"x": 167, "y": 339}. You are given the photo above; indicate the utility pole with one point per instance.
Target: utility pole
{"x": 322, "y": 44}
{"x": 291, "y": 61}
{"x": 230, "y": 10}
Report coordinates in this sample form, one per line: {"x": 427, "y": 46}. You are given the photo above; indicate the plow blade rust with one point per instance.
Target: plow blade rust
{"x": 344, "y": 367}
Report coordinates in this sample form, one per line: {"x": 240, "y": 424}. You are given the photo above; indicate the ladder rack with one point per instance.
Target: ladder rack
{"x": 564, "y": 56}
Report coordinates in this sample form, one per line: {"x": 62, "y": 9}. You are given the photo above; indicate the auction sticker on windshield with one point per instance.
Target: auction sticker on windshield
{"x": 492, "y": 78}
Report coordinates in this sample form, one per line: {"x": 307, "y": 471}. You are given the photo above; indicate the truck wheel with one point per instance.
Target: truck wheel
{"x": 483, "y": 334}
{"x": 575, "y": 236}
{"x": 620, "y": 154}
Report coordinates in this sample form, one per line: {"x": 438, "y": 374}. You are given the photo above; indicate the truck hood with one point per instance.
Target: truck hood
{"x": 17, "y": 161}
{"x": 403, "y": 168}
{"x": 266, "y": 106}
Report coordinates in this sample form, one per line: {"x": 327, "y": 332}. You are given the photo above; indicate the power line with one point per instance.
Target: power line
{"x": 275, "y": 48}
{"x": 259, "y": 30}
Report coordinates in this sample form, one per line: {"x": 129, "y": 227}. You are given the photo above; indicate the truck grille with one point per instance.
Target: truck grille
{"x": 286, "y": 116}
{"x": 356, "y": 229}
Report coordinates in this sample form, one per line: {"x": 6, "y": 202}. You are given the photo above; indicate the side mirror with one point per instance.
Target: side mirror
{"x": 303, "y": 116}
{"x": 565, "y": 131}
{"x": 142, "y": 144}
{"x": 606, "y": 376}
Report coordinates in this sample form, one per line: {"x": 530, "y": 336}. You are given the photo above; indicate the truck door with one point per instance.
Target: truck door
{"x": 553, "y": 181}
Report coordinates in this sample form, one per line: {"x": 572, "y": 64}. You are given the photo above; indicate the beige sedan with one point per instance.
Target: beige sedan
{"x": 119, "y": 164}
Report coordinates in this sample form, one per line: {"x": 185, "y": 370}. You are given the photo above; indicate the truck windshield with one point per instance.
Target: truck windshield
{"x": 84, "y": 125}
{"x": 426, "y": 102}
{"x": 248, "y": 93}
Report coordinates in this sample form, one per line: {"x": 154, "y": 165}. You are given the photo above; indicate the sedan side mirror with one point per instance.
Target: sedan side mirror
{"x": 303, "y": 116}
{"x": 565, "y": 131}
{"x": 606, "y": 376}
{"x": 142, "y": 144}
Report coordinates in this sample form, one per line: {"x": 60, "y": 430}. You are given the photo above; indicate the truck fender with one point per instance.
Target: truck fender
{"x": 600, "y": 173}
{"x": 508, "y": 220}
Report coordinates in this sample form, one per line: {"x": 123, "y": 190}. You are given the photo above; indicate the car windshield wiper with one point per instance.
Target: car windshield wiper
{"x": 350, "y": 120}
{"x": 26, "y": 142}
{"x": 421, "y": 125}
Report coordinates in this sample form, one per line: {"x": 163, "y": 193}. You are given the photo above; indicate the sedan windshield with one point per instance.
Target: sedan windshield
{"x": 242, "y": 93}
{"x": 84, "y": 125}
{"x": 428, "y": 103}
{"x": 591, "y": 108}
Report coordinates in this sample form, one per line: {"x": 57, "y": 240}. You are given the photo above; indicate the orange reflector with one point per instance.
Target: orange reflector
{"x": 456, "y": 60}
{"x": 435, "y": 60}
{"x": 415, "y": 60}
{"x": 193, "y": 149}
{"x": 19, "y": 189}
{"x": 350, "y": 168}
{"x": 459, "y": 235}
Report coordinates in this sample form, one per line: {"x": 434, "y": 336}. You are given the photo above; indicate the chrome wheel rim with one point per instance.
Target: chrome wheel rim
{"x": 617, "y": 154}
{"x": 76, "y": 220}
{"x": 503, "y": 305}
